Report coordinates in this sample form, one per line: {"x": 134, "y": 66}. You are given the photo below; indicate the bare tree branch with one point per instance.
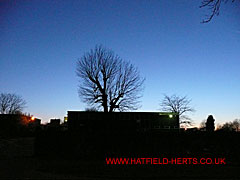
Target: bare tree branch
{"x": 11, "y": 103}
{"x": 214, "y": 8}
{"x": 202, "y": 125}
{"x": 107, "y": 81}
{"x": 179, "y": 105}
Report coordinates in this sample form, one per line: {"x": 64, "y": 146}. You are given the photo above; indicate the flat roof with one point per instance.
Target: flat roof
{"x": 160, "y": 113}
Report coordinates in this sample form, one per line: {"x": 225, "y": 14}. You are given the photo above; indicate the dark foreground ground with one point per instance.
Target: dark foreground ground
{"x": 18, "y": 160}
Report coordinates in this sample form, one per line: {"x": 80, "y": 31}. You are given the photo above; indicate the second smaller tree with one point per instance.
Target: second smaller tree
{"x": 180, "y": 105}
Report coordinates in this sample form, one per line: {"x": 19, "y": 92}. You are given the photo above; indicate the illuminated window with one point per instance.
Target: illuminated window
{"x": 65, "y": 119}
{"x": 166, "y": 127}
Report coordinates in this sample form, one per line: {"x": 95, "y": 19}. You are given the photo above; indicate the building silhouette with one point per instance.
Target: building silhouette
{"x": 12, "y": 124}
{"x": 122, "y": 122}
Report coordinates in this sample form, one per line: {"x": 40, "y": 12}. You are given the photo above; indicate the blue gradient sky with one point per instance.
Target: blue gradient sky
{"x": 40, "y": 42}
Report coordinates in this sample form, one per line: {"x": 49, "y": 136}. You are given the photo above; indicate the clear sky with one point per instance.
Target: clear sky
{"x": 41, "y": 40}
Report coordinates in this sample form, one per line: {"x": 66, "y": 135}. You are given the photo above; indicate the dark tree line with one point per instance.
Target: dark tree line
{"x": 230, "y": 126}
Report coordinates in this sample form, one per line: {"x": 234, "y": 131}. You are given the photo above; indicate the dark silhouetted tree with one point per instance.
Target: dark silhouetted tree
{"x": 107, "y": 81}
{"x": 11, "y": 103}
{"x": 210, "y": 127}
{"x": 214, "y": 8}
{"x": 236, "y": 124}
{"x": 202, "y": 125}
{"x": 230, "y": 126}
{"x": 180, "y": 105}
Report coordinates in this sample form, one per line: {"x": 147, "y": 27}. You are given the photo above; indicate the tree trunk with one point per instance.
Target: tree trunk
{"x": 105, "y": 105}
